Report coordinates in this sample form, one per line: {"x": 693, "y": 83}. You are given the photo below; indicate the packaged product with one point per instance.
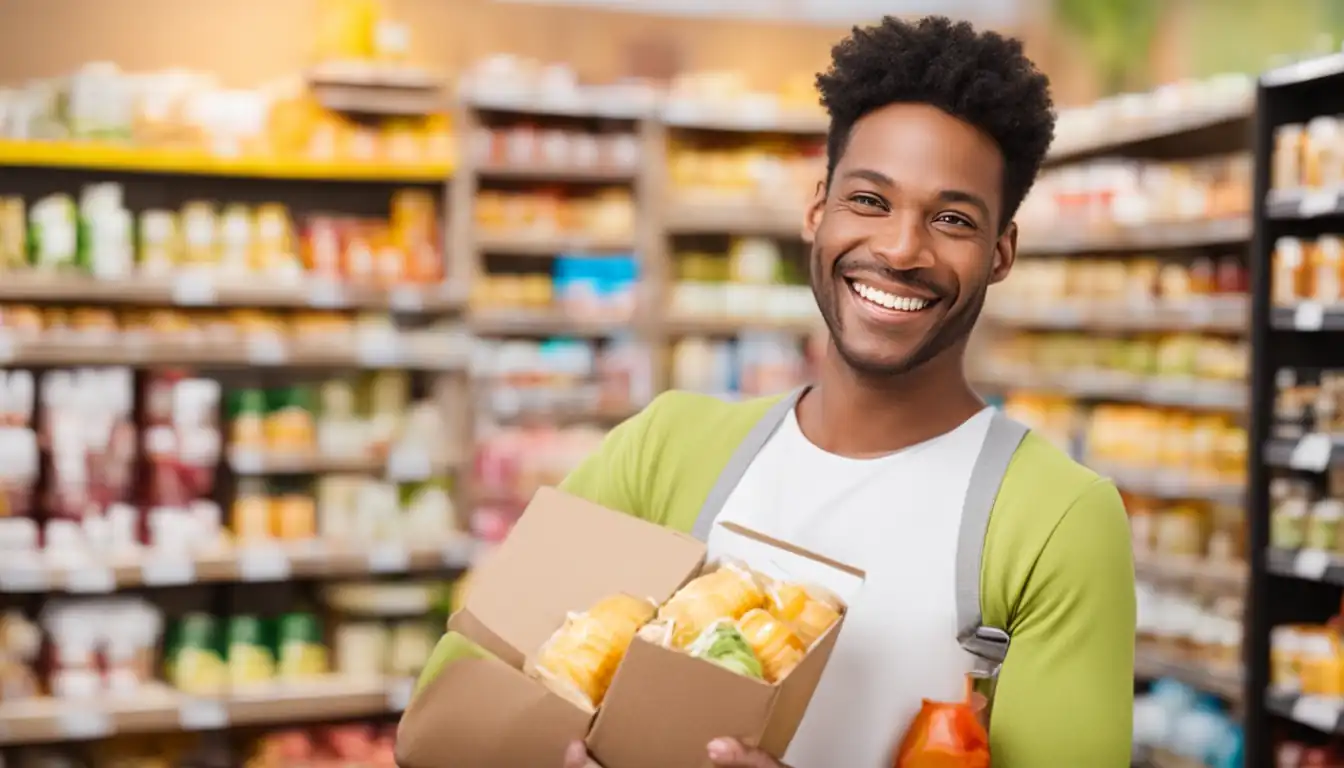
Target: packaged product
{"x": 659, "y": 625}
{"x": 580, "y": 659}
{"x": 946, "y": 734}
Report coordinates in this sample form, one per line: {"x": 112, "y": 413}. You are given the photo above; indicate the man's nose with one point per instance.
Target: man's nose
{"x": 902, "y": 241}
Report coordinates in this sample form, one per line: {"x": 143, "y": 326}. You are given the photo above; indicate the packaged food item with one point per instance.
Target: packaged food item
{"x": 725, "y": 593}
{"x": 580, "y": 659}
{"x": 1290, "y": 280}
{"x": 777, "y": 647}
{"x": 809, "y": 610}
{"x": 723, "y": 644}
{"x": 1286, "y": 165}
{"x": 946, "y": 734}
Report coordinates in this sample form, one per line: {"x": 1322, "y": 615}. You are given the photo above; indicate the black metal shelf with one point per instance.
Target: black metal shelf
{"x": 1287, "y": 586}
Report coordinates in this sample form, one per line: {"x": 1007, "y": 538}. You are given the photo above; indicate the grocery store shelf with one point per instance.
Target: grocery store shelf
{"x": 1169, "y": 484}
{"x": 1193, "y": 393}
{"x": 564, "y": 415}
{"x": 202, "y": 289}
{"x": 726, "y": 326}
{"x": 555, "y": 173}
{"x": 558, "y": 245}
{"x": 1319, "y": 712}
{"x": 156, "y": 708}
{"x": 535, "y": 324}
{"x": 245, "y": 563}
{"x": 1308, "y": 316}
{"x": 695, "y": 117}
{"x": 398, "y": 465}
{"x": 1161, "y": 758}
{"x": 1193, "y": 571}
{"x": 1313, "y": 452}
{"x": 1304, "y": 203}
{"x": 1223, "y": 314}
{"x": 1122, "y": 135}
{"x": 733, "y": 219}
{"x": 1150, "y": 665}
{"x": 1306, "y": 564}
{"x": 114, "y": 348}
{"x": 556, "y": 105}
{"x": 111, "y": 157}
{"x": 1168, "y": 235}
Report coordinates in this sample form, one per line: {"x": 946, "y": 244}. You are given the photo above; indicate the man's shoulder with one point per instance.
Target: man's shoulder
{"x": 1042, "y": 485}
{"x": 684, "y": 416}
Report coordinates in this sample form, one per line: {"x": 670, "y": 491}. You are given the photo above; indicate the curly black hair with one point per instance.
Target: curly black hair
{"x": 982, "y": 78}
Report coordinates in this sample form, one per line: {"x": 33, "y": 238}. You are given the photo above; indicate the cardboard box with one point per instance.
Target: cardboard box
{"x": 663, "y": 706}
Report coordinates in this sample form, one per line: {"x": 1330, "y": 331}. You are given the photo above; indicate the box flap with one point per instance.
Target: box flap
{"x": 564, "y": 554}
{"x": 480, "y": 713}
{"x": 664, "y": 707}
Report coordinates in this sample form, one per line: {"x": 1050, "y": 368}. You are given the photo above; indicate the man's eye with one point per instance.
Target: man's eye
{"x": 872, "y": 201}
{"x": 952, "y": 218}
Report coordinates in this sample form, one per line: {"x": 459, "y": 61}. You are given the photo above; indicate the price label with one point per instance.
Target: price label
{"x": 1312, "y": 453}
{"x": 263, "y": 563}
{"x": 1309, "y": 316}
{"x": 326, "y": 294}
{"x": 1318, "y": 712}
{"x": 194, "y": 289}
{"x": 380, "y": 350}
{"x": 409, "y": 465}
{"x": 1318, "y": 202}
{"x": 166, "y": 570}
{"x": 389, "y": 557}
{"x": 83, "y": 724}
{"x": 247, "y": 462}
{"x": 24, "y": 578}
{"x": 399, "y": 693}
{"x": 406, "y": 299}
{"x": 203, "y": 715}
{"x": 1312, "y": 564}
{"x": 91, "y": 580}
{"x": 266, "y": 350}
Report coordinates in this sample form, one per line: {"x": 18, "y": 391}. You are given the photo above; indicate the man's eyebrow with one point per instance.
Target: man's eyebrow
{"x": 959, "y": 196}
{"x": 876, "y": 177}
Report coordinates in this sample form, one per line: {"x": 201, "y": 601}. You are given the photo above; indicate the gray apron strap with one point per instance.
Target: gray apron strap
{"x": 988, "y": 644}
{"x": 740, "y": 460}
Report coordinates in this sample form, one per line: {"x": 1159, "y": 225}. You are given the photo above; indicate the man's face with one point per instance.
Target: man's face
{"x": 906, "y": 240}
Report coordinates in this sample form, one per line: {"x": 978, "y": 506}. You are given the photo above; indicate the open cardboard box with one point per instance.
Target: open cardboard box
{"x": 663, "y": 706}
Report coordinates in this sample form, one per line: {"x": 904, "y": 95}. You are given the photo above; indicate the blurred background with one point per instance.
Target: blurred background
{"x": 301, "y": 301}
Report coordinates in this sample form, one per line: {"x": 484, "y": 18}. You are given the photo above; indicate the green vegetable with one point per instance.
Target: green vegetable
{"x": 725, "y": 646}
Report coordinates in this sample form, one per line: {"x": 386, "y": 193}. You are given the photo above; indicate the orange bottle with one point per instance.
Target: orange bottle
{"x": 947, "y": 735}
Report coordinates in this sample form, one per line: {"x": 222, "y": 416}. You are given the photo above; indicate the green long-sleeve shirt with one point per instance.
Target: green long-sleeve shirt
{"x": 1057, "y": 571}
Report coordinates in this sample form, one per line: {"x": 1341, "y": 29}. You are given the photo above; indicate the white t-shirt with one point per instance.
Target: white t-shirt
{"x": 897, "y": 518}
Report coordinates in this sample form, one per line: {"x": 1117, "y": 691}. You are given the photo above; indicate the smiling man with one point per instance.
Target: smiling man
{"x": 981, "y": 542}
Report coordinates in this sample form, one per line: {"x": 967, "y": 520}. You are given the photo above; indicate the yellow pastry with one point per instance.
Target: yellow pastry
{"x": 726, "y": 593}
{"x": 580, "y": 659}
{"x": 775, "y": 644}
{"x": 808, "y": 611}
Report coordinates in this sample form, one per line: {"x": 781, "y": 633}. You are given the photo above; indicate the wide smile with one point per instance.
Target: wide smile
{"x": 886, "y": 306}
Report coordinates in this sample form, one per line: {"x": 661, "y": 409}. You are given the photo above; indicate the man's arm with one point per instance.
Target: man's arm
{"x": 611, "y": 476}
{"x": 1066, "y": 691}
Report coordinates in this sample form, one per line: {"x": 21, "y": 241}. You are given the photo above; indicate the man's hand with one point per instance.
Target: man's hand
{"x": 727, "y": 753}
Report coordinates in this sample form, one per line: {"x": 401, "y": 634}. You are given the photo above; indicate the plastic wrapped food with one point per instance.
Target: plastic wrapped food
{"x": 580, "y": 659}
{"x": 774, "y": 643}
{"x": 724, "y": 645}
{"x": 809, "y": 611}
{"x": 726, "y": 593}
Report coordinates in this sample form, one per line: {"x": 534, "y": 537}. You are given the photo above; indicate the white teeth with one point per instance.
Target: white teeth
{"x": 888, "y": 300}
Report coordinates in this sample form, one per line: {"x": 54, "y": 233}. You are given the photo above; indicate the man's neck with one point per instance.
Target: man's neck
{"x": 849, "y": 414}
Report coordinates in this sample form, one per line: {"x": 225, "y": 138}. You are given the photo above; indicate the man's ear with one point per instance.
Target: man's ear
{"x": 812, "y": 219}
{"x": 1005, "y": 253}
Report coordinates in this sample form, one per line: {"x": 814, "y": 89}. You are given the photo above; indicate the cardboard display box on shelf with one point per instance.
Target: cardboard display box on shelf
{"x": 663, "y": 706}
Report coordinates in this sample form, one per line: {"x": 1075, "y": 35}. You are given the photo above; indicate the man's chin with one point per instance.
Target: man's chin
{"x": 885, "y": 363}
